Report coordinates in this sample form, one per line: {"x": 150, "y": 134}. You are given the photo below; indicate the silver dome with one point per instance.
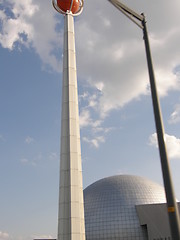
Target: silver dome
{"x": 110, "y": 212}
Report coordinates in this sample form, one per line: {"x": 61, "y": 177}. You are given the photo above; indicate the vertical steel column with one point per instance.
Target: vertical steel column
{"x": 170, "y": 196}
{"x": 71, "y": 224}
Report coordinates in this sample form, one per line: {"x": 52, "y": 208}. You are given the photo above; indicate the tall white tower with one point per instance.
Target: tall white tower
{"x": 71, "y": 224}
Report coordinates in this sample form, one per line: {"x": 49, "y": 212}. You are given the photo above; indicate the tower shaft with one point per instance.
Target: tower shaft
{"x": 71, "y": 224}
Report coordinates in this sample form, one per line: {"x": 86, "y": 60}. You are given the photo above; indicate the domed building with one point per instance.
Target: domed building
{"x": 125, "y": 207}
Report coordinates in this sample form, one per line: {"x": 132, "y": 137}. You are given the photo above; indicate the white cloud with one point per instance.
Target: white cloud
{"x": 17, "y": 24}
{"x": 84, "y": 118}
{"x": 4, "y": 235}
{"x": 167, "y": 81}
{"x": 29, "y": 140}
{"x": 96, "y": 128}
{"x": 104, "y": 130}
{"x": 99, "y": 86}
{"x": 172, "y": 144}
{"x": 115, "y": 55}
{"x": 24, "y": 22}
{"x": 153, "y": 140}
{"x": 24, "y": 160}
{"x": 32, "y": 160}
{"x": 53, "y": 156}
{"x": 90, "y": 119}
{"x": 110, "y": 49}
{"x": 94, "y": 141}
{"x": 93, "y": 101}
{"x": 175, "y": 116}
{"x": 83, "y": 96}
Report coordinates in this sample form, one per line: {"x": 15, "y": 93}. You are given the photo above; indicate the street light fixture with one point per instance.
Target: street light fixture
{"x": 140, "y": 21}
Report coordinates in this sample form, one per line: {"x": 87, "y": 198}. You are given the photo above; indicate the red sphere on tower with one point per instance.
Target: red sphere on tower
{"x": 65, "y": 5}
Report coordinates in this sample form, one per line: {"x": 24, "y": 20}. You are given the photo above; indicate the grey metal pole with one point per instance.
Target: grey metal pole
{"x": 170, "y": 196}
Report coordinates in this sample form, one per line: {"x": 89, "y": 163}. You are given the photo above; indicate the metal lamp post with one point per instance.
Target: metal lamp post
{"x": 170, "y": 196}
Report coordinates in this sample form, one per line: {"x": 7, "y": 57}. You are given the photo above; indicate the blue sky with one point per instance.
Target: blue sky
{"x": 116, "y": 117}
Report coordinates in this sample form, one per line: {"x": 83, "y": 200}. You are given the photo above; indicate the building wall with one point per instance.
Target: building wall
{"x": 155, "y": 217}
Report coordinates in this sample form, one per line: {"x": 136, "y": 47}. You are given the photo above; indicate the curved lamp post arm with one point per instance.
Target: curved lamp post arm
{"x": 172, "y": 208}
{"x": 129, "y": 13}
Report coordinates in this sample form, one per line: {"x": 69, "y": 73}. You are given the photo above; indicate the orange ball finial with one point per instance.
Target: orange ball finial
{"x": 65, "y": 5}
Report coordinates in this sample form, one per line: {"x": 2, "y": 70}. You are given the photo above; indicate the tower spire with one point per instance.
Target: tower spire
{"x": 71, "y": 225}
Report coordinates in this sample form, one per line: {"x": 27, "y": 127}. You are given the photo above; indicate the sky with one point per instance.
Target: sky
{"x": 118, "y": 133}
